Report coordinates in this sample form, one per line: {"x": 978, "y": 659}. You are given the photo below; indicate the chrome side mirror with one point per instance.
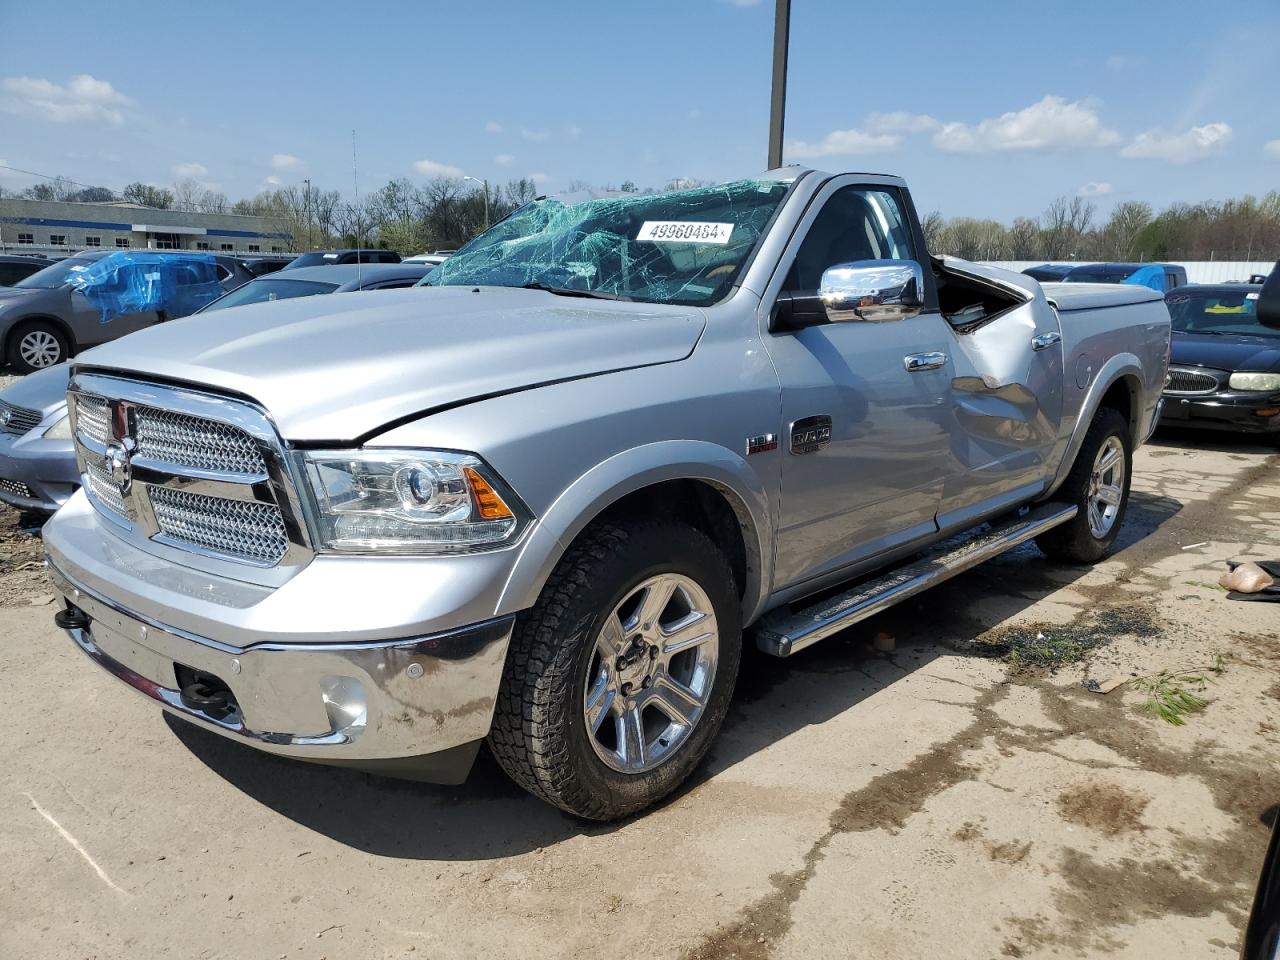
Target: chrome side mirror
{"x": 873, "y": 291}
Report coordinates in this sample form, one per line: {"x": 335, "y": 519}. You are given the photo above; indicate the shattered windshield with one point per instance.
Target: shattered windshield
{"x": 681, "y": 247}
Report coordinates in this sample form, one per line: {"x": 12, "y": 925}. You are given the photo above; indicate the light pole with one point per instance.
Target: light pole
{"x": 485, "y": 184}
{"x": 308, "y": 202}
{"x": 778, "y": 102}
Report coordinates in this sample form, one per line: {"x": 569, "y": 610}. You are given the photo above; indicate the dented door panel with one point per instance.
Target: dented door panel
{"x": 1006, "y": 403}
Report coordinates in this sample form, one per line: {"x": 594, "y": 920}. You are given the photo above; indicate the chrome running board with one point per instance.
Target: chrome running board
{"x": 789, "y": 629}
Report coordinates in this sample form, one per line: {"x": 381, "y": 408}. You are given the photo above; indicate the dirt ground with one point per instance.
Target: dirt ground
{"x": 935, "y": 800}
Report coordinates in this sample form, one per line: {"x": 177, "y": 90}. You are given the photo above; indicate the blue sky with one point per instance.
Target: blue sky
{"x": 988, "y": 109}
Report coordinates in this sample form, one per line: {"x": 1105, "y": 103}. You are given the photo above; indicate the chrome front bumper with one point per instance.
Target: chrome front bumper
{"x": 363, "y": 703}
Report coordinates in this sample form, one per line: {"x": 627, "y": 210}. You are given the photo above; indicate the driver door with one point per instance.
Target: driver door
{"x": 876, "y": 483}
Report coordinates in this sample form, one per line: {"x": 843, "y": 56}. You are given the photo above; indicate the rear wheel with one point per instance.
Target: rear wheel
{"x": 1099, "y": 485}
{"x": 36, "y": 345}
{"x": 618, "y": 679}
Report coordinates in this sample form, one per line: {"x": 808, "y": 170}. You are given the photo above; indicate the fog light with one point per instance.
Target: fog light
{"x": 1266, "y": 412}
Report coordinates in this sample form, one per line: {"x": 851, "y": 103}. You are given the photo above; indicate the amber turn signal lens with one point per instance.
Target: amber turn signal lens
{"x": 489, "y": 505}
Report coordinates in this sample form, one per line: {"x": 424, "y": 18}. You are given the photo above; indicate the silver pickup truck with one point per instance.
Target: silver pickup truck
{"x": 539, "y": 500}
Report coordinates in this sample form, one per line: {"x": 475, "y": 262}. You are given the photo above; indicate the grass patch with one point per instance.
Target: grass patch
{"x": 1172, "y": 695}
{"x": 1207, "y": 586}
{"x": 1050, "y": 646}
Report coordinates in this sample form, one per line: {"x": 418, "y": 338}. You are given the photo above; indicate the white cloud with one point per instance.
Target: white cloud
{"x": 540, "y": 178}
{"x": 83, "y": 98}
{"x": 1271, "y": 150}
{"x": 535, "y": 135}
{"x": 430, "y": 168}
{"x": 272, "y": 181}
{"x": 287, "y": 161}
{"x": 1050, "y": 124}
{"x": 193, "y": 169}
{"x": 1196, "y": 144}
{"x": 504, "y": 159}
{"x": 493, "y": 126}
{"x": 843, "y": 143}
{"x": 899, "y": 121}
{"x": 1094, "y": 188}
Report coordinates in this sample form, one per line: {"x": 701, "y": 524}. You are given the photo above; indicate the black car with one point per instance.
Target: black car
{"x": 18, "y": 267}
{"x": 329, "y": 258}
{"x": 261, "y": 266}
{"x": 1049, "y": 272}
{"x": 1224, "y": 373}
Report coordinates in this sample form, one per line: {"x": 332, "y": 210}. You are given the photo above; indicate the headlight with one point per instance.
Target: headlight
{"x": 1261, "y": 382}
{"x": 410, "y": 501}
{"x": 60, "y": 430}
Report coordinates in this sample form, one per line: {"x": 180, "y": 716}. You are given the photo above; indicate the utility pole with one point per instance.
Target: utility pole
{"x": 485, "y": 184}
{"x": 778, "y": 104}
{"x": 308, "y": 201}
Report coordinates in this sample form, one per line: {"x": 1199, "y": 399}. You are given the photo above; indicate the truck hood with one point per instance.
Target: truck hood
{"x": 1256, "y": 354}
{"x": 341, "y": 367}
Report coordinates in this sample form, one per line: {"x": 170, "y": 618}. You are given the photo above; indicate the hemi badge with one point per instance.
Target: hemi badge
{"x": 810, "y": 434}
{"x": 762, "y": 444}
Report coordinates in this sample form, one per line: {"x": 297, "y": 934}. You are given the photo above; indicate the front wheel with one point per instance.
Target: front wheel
{"x": 34, "y": 346}
{"x": 619, "y": 677}
{"x": 1099, "y": 485}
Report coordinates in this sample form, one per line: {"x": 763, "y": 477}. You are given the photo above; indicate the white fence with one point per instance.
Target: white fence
{"x": 1198, "y": 271}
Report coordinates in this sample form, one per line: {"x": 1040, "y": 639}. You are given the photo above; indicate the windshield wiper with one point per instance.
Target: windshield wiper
{"x": 570, "y": 292}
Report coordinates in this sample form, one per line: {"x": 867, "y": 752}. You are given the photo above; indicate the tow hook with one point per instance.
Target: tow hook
{"x": 206, "y": 694}
{"x": 72, "y": 618}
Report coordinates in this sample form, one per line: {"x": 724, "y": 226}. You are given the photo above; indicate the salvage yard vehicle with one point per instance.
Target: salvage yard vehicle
{"x": 538, "y": 501}
{"x": 1225, "y": 370}
{"x": 100, "y": 295}
{"x": 334, "y": 258}
{"x": 38, "y": 469}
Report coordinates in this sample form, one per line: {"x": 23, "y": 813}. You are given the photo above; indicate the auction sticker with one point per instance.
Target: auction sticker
{"x": 684, "y": 231}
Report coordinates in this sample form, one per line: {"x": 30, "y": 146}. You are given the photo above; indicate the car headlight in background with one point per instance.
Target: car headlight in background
{"x": 1261, "y": 382}
{"x": 60, "y": 430}
{"x": 410, "y": 501}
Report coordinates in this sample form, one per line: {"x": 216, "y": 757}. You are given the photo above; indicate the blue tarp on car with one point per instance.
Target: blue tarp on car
{"x": 143, "y": 282}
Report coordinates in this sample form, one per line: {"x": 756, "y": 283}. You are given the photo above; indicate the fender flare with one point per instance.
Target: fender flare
{"x": 1122, "y": 365}
{"x": 632, "y": 470}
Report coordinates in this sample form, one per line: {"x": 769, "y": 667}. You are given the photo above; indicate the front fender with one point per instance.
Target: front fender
{"x": 632, "y": 470}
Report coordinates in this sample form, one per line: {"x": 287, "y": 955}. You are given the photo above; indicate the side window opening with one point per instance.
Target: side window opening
{"x": 856, "y": 223}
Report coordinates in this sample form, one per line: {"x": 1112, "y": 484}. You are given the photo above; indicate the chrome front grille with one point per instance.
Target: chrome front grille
{"x": 103, "y": 489}
{"x": 18, "y": 420}
{"x": 17, "y": 488}
{"x": 92, "y": 417}
{"x": 1184, "y": 380}
{"x": 198, "y": 442}
{"x": 241, "y": 529}
{"x": 196, "y": 472}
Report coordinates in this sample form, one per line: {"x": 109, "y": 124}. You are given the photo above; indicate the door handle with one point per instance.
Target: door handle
{"x": 916, "y": 362}
{"x": 1046, "y": 340}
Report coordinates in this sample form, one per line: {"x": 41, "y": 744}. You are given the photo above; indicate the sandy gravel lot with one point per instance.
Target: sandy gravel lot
{"x": 936, "y": 800}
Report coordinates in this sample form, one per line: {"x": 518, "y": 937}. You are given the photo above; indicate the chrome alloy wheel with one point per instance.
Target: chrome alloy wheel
{"x": 39, "y": 348}
{"x": 651, "y": 673}
{"x": 1106, "y": 487}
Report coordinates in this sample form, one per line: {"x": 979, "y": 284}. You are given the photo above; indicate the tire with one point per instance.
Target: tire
{"x": 36, "y": 345}
{"x": 541, "y": 734}
{"x": 1089, "y": 535}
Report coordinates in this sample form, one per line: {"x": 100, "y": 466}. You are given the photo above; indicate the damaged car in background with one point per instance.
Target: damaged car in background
{"x": 541, "y": 501}
{"x": 1225, "y": 370}
{"x": 97, "y": 296}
